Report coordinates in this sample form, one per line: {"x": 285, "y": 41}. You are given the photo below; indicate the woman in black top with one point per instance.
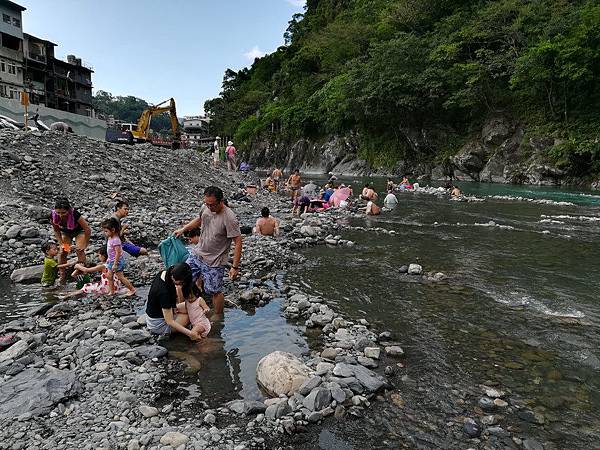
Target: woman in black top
{"x": 170, "y": 287}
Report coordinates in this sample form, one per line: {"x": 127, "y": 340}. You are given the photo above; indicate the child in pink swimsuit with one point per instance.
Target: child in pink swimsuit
{"x": 196, "y": 310}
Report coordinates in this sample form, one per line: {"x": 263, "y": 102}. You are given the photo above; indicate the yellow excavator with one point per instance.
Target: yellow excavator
{"x": 140, "y": 132}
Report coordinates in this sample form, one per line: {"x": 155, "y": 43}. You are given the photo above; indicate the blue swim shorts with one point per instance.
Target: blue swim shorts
{"x": 212, "y": 277}
{"x": 120, "y": 266}
{"x": 130, "y": 248}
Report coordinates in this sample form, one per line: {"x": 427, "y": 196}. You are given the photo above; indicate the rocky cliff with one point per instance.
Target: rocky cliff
{"x": 500, "y": 152}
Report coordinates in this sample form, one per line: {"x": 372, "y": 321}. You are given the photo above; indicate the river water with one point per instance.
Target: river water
{"x": 519, "y": 311}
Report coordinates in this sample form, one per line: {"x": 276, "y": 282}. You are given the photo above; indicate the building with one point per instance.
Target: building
{"x": 11, "y": 50}
{"x": 196, "y": 130}
{"x": 38, "y": 73}
{"x": 73, "y": 86}
{"x": 29, "y": 63}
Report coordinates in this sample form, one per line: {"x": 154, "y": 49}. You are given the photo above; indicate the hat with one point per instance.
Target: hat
{"x": 217, "y": 137}
{"x": 230, "y": 143}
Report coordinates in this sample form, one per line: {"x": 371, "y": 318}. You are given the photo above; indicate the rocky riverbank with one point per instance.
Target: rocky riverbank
{"x": 86, "y": 374}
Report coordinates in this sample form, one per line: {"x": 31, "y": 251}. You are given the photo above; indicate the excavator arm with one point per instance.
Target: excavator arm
{"x": 143, "y": 125}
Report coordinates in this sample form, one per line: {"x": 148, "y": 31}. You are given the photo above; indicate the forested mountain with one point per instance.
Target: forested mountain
{"x": 382, "y": 69}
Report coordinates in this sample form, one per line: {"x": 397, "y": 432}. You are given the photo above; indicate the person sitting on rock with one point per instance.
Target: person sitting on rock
{"x": 455, "y": 192}
{"x": 101, "y": 287}
{"x": 372, "y": 209}
{"x": 270, "y": 184}
{"x": 69, "y": 224}
{"x": 122, "y": 211}
{"x": 266, "y": 225}
{"x": 51, "y": 266}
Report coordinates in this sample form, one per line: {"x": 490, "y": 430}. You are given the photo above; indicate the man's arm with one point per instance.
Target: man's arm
{"x": 237, "y": 257}
{"x": 194, "y": 223}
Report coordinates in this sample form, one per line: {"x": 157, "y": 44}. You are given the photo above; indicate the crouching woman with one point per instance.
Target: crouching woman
{"x": 170, "y": 287}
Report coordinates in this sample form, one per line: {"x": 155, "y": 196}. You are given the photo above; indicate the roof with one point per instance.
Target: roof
{"x": 12, "y": 5}
{"x": 39, "y": 39}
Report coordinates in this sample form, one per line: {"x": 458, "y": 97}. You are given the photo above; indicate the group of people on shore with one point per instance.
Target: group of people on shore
{"x": 227, "y": 154}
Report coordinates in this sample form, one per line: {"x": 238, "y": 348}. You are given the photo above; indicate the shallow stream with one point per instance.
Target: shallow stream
{"x": 520, "y": 311}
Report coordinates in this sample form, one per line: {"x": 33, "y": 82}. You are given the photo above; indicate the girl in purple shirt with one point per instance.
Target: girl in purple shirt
{"x": 115, "y": 263}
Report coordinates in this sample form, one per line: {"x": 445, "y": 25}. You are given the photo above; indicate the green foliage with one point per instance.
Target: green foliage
{"x": 380, "y": 67}
{"x": 128, "y": 109}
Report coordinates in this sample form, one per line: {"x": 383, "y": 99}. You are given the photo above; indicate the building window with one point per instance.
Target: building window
{"x": 16, "y": 22}
{"x": 15, "y": 94}
{"x": 12, "y": 69}
{"x": 3, "y": 90}
{"x": 3, "y": 66}
{"x": 6, "y": 18}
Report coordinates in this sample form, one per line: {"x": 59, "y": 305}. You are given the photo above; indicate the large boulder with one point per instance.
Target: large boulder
{"x": 471, "y": 159}
{"x": 32, "y": 392}
{"x": 27, "y": 274}
{"x": 281, "y": 373}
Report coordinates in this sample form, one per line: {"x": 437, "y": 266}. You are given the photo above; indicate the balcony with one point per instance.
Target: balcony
{"x": 37, "y": 57}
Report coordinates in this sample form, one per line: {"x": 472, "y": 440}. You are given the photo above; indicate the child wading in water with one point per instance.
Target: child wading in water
{"x": 51, "y": 266}
{"x": 114, "y": 250}
{"x": 196, "y": 310}
{"x": 101, "y": 287}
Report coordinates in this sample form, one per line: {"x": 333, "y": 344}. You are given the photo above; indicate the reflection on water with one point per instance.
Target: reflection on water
{"x": 224, "y": 364}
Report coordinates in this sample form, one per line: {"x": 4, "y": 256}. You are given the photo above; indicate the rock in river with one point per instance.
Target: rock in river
{"x": 281, "y": 373}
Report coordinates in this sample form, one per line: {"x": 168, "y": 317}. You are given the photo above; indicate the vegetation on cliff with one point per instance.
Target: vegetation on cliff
{"x": 385, "y": 68}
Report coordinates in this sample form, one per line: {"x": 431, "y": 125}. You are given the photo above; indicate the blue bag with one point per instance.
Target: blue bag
{"x": 172, "y": 251}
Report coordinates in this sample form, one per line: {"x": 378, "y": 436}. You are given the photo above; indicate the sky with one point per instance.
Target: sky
{"x": 158, "y": 49}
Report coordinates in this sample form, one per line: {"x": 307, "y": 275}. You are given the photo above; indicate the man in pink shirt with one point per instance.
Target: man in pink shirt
{"x": 231, "y": 162}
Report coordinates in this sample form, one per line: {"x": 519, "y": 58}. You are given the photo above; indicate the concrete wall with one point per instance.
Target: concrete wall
{"x": 10, "y": 28}
{"x": 82, "y": 125}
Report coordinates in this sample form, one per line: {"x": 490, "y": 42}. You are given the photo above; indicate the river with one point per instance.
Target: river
{"x": 520, "y": 311}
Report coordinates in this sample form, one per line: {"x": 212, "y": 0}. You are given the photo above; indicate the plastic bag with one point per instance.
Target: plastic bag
{"x": 172, "y": 251}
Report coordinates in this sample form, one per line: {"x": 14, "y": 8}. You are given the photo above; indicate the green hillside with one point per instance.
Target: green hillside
{"x": 382, "y": 67}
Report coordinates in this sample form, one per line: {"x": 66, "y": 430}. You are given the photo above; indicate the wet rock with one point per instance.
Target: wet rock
{"x": 472, "y": 428}
{"x": 415, "y": 269}
{"x": 27, "y": 274}
{"x": 394, "y": 350}
{"x": 403, "y": 269}
{"x": 14, "y": 351}
{"x": 489, "y": 420}
{"x": 35, "y": 393}
{"x": 531, "y": 416}
{"x": 487, "y": 404}
{"x": 493, "y": 393}
{"x": 236, "y": 406}
{"x": 372, "y": 352}
{"x": 367, "y": 362}
{"x": 281, "y": 373}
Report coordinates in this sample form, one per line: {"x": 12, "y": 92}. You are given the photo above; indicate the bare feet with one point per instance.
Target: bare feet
{"x": 130, "y": 293}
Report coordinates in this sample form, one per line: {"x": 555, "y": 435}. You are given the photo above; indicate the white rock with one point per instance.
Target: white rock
{"x": 281, "y": 373}
{"x": 148, "y": 411}
{"x": 415, "y": 269}
{"x": 174, "y": 439}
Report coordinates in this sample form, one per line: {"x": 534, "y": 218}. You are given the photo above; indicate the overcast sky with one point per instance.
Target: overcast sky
{"x": 157, "y": 49}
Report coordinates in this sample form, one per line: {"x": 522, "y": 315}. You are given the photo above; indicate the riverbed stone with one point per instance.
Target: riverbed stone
{"x": 472, "y": 428}
{"x": 394, "y": 350}
{"x": 151, "y": 351}
{"x": 372, "y": 352}
{"x": 329, "y": 353}
{"x": 174, "y": 439}
{"x": 532, "y": 444}
{"x": 281, "y": 373}
{"x": 318, "y": 399}
{"x": 415, "y": 269}
{"x": 35, "y": 393}
{"x": 148, "y": 411}
{"x": 309, "y": 385}
{"x": 14, "y": 351}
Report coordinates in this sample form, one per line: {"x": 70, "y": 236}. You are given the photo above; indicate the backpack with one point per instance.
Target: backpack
{"x": 172, "y": 251}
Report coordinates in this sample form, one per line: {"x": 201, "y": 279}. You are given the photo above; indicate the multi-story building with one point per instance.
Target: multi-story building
{"x": 73, "y": 84}
{"x": 196, "y": 130}
{"x": 38, "y": 78}
{"x": 28, "y": 63}
{"x": 11, "y": 49}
